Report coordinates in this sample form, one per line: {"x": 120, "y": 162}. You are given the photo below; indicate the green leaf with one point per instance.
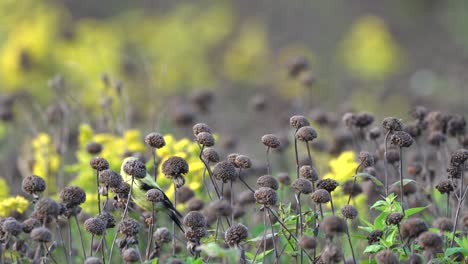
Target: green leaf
{"x": 260, "y": 238}
{"x": 366, "y": 228}
{"x": 378, "y": 204}
{"x": 379, "y": 222}
{"x": 372, "y": 178}
{"x": 373, "y": 248}
{"x": 264, "y": 254}
{"x": 366, "y": 222}
{"x": 451, "y": 251}
{"x": 215, "y": 250}
{"x": 412, "y": 211}
{"x": 405, "y": 181}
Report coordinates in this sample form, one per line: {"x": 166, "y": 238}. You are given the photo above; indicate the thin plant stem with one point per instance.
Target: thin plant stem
{"x": 282, "y": 224}
{"x": 63, "y": 242}
{"x": 460, "y": 201}
{"x": 69, "y": 239}
{"x": 448, "y": 204}
{"x": 386, "y": 163}
{"x": 174, "y": 243}
{"x": 123, "y": 217}
{"x": 48, "y": 253}
{"x": 155, "y": 165}
{"x": 331, "y": 204}
{"x": 91, "y": 246}
{"x": 206, "y": 185}
{"x": 150, "y": 233}
{"x": 246, "y": 185}
{"x": 268, "y": 160}
{"x": 296, "y": 155}
{"x": 209, "y": 171}
{"x": 81, "y": 236}
{"x": 401, "y": 181}
{"x": 264, "y": 237}
{"x": 273, "y": 237}
{"x": 354, "y": 181}
{"x": 401, "y": 237}
{"x": 101, "y": 245}
{"x": 98, "y": 193}
{"x": 350, "y": 243}
{"x": 321, "y": 211}
{"x": 232, "y": 203}
{"x": 299, "y": 224}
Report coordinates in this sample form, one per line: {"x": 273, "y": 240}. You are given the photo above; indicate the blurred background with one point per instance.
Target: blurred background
{"x": 241, "y": 66}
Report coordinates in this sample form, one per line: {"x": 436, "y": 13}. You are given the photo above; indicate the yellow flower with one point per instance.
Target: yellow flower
{"x": 46, "y": 160}
{"x": 12, "y": 204}
{"x": 4, "y": 189}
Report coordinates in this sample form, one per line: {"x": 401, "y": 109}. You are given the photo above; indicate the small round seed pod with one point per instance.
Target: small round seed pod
{"x": 155, "y": 140}
{"x": 374, "y": 236}
{"x": 201, "y": 127}
{"x": 155, "y": 196}
{"x": 29, "y": 224}
{"x": 205, "y": 139}
{"x": 178, "y": 181}
{"x": 374, "y": 133}
{"x": 413, "y": 128}
{"x": 413, "y": 227}
{"x": 401, "y": 139}
{"x": 459, "y": 157}
{"x": 327, "y": 184}
{"x": 232, "y": 158}
{"x": 320, "y": 196}
{"x": 415, "y": 259}
{"x": 33, "y": 184}
{"x": 210, "y": 155}
{"x": 386, "y": 256}
{"x": 308, "y": 172}
{"x": 221, "y": 207}
{"x": 394, "y": 218}
{"x": 271, "y": 141}
{"x": 236, "y": 234}
{"x": 307, "y": 242}
{"x": 93, "y": 148}
{"x": 242, "y": 162}
{"x": 12, "y": 227}
{"x": 135, "y": 168}
{"x": 238, "y": 212}
{"x": 224, "y": 171}
{"x": 306, "y": 134}
{"x": 129, "y": 227}
{"x": 302, "y": 185}
{"x": 202, "y": 100}
{"x": 364, "y": 119}
{"x": 46, "y": 208}
{"x": 349, "y": 119}
{"x": 444, "y": 224}
{"x": 268, "y": 181}
{"x": 184, "y": 194}
{"x": 435, "y": 120}
{"x": 195, "y": 219}
{"x": 95, "y": 226}
{"x": 122, "y": 190}
{"x": 454, "y": 172}
{"x": 131, "y": 255}
{"x": 351, "y": 188}
{"x": 246, "y": 197}
{"x": 99, "y": 163}
{"x": 284, "y": 179}
{"x": 445, "y": 186}
{"x": 430, "y": 240}
{"x": 195, "y": 234}
{"x": 419, "y": 112}
{"x": 175, "y": 166}
{"x": 108, "y": 219}
{"x": 72, "y": 196}
{"x": 296, "y": 65}
{"x": 298, "y": 121}
{"x": 349, "y": 211}
{"x": 436, "y": 138}
{"x": 392, "y": 124}
{"x": 456, "y": 125}
{"x": 195, "y": 204}
{"x": 41, "y": 234}
{"x": 93, "y": 260}
{"x": 393, "y": 156}
{"x": 366, "y": 159}
{"x": 331, "y": 254}
{"x": 266, "y": 196}
{"x": 182, "y": 115}
{"x": 162, "y": 235}
{"x": 110, "y": 178}
{"x": 333, "y": 225}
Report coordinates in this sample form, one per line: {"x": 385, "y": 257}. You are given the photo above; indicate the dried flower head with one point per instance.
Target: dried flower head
{"x": 413, "y": 227}
{"x": 184, "y": 194}
{"x": 266, "y": 196}
{"x": 302, "y": 185}
{"x": 333, "y": 225}
{"x": 195, "y": 219}
{"x": 309, "y": 173}
{"x": 459, "y": 157}
{"x": 363, "y": 119}
{"x": 374, "y": 236}
{"x": 205, "y": 139}
{"x": 195, "y": 204}
{"x": 41, "y": 234}
{"x": 392, "y": 124}
{"x": 401, "y": 139}
{"x": 95, "y": 226}
{"x": 307, "y": 242}
{"x": 306, "y": 134}
{"x": 201, "y": 127}
{"x": 155, "y": 195}
{"x": 129, "y": 227}
{"x": 236, "y": 234}
{"x": 331, "y": 254}
{"x": 243, "y": 162}
{"x": 108, "y": 219}
{"x": 327, "y": 184}
{"x": 93, "y": 260}
{"x": 366, "y": 159}
{"x": 394, "y": 218}
{"x": 33, "y": 184}
{"x": 320, "y": 196}
{"x": 393, "y": 156}
{"x": 110, "y": 178}
{"x": 155, "y": 140}
{"x": 374, "y": 133}
{"x": 93, "y": 148}
{"x": 445, "y": 186}
{"x": 175, "y": 166}
{"x": 436, "y": 138}
{"x": 162, "y": 235}
{"x": 430, "y": 240}
{"x": 135, "y": 168}
{"x": 72, "y": 196}
{"x": 29, "y": 224}
{"x": 268, "y": 181}
{"x": 99, "y": 163}
{"x": 210, "y": 155}
{"x": 456, "y": 125}
{"x": 349, "y": 119}
{"x": 444, "y": 224}
{"x": 221, "y": 207}
{"x": 131, "y": 255}
{"x": 386, "y": 256}
{"x": 284, "y": 178}
{"x": 122, "y": 190}
{"x": 413, "y": 128}
{"x": 271, "y": 141}
{"x": 349, "y": 211}
{"x": 195, "y": 234}
{"x": 419, "y": 112}
{"x": 12, "y": 227}
{"x": 351, "y": 188}
{"x": 224, "y": 171}
{"x": 46, "y": 209}
{"x": 296, "y": 65}
{"x": 298, "y": 121}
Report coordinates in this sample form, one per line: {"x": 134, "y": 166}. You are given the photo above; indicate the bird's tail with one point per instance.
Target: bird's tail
{"x": 173, "y": 213}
